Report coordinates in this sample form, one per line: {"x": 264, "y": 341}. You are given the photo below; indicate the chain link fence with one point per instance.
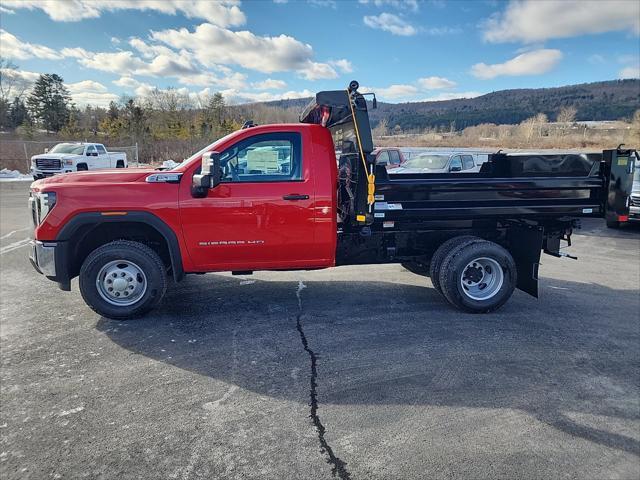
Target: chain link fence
{"x": 16, "y": 154}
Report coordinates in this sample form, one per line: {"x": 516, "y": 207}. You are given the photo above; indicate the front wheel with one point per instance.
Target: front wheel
{"x": 122, "y": 279}
{"x": 478, "y": 277}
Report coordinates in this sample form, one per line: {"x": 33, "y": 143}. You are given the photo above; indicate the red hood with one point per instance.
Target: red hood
{"x": 112, "y": 176}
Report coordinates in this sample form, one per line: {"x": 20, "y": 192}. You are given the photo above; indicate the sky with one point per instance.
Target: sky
{"x": 259, "y": 50}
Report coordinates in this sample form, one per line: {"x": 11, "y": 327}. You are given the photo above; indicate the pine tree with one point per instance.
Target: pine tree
{"x": 49, "y": 102}
{"x": 18, "y": 113}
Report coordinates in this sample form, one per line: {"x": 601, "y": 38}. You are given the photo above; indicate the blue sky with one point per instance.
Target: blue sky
{"x": 405, "y": 50}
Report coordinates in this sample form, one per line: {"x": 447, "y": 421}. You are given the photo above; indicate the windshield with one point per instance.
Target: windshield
{"x": 430, "y": 162}
{"x": 72, "y": 148}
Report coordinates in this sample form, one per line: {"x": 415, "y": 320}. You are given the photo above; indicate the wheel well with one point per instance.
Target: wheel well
{"x": 120, "y": 163}
{"x": 82, "y": 165}
{"x": 89, "y": 237}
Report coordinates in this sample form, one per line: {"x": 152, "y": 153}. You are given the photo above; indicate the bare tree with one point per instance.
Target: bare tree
{"x": 12, "y": 84}
{"x": 567, "y": 114}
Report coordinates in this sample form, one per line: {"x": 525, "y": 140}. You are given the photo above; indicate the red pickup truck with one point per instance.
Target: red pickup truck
{"x": 270, "y": 198}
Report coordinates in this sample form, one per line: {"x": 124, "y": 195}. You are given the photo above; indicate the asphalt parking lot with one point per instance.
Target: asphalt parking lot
{"x": 355, "y": 372}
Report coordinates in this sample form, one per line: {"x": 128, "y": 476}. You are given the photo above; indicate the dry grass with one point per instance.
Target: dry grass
{"x": 524, "y": 136}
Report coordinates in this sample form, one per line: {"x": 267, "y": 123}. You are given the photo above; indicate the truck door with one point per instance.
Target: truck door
{"x": 103, "y": 161}
{"x": 262, "y": 214}
{"x": 92, "y": 158}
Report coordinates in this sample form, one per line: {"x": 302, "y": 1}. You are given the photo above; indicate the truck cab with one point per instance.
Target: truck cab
{"x": 75, "y": 157}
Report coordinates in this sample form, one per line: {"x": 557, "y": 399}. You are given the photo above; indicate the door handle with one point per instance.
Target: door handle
{"x": 295, "y": 196}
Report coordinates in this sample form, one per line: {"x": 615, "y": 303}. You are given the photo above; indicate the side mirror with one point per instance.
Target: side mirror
{"x": 209, "y": 177}
{"x": 455, "y": 168}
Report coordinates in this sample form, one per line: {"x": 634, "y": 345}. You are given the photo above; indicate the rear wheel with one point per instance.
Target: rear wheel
{"x": 441, "y": 253}
{"x": 478, "y": 277}
{"x": 122, "y": 279}
{"x": 119, "y": 164}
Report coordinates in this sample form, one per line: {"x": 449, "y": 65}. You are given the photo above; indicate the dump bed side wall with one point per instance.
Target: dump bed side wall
{"x": 476, "y": 197}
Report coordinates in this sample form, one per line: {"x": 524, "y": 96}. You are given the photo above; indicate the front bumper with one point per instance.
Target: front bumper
{"x": 634, "y": 214}
{"x": 38, "y": 174}
{"x": 43, "y": 257}
{"x": 50, "y": 259}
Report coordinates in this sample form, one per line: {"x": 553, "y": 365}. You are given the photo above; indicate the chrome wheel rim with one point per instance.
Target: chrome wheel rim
{"x": 121, "y": 283}
{"x": 482, "y": 278}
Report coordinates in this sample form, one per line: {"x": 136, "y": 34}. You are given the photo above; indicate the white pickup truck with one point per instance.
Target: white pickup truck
{"x": 75, "y": 157}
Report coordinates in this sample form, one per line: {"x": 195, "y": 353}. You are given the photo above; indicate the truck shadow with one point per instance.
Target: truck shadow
{"x": 570, "y": 359}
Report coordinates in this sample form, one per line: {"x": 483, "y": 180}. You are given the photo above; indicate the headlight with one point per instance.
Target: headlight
{"x": 68, "y": 162}
{"x": 41, "y": 205}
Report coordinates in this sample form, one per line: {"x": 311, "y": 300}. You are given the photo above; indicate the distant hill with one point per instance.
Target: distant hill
{"x": 611, "y": 100}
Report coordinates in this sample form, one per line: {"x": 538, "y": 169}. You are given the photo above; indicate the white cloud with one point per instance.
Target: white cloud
{"x": 395, "y": 91}
{"x": 126, "y": 82}
{"x": 408, "y": 4}
{"x": 630, "y": 72}
{"x": 90, "y": 92}
{"x": 235, "y": 96}
{"x": 23, "y": 75}
{"x": 212, "y": 45}
{"x": 434, "y": 83}
{"x": 391, "y": 23}
{"x": 86, "y": 86}
{"x": 534, "y": 20}
{"x": 343, "y": 65}
{"x": 439, "y": 31}
{"x": 531, "y": 63}
{"x": 113, "y": 62}
{"x": 270, "y": 84}
{"x": 92, "y": 98}
{"x": 13, "y": 47}
{"x": 317, "y": 71}
{"x": 221, "y": 12}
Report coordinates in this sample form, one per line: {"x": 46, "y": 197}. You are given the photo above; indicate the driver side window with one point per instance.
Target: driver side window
{"x": 271, "y": 157}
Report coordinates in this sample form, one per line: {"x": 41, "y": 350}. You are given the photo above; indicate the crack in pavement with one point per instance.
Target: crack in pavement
{"x": 338, "y": 466}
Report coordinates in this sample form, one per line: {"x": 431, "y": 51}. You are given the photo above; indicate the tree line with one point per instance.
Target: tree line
{"x": 165, "y": 123}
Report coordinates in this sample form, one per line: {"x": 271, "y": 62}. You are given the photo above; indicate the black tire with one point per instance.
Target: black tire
{"x": 82, "y": 167}
{"x": 441, "y": 253}
{"x": 144, "y": 257}
{"x": 454, "y": 266}
{"x": 119, "y": 164}
{"x": 613, "y": 224}
{"x": 417, "y": 267}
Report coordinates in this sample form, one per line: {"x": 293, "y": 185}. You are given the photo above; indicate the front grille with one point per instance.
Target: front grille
{"x": 635, "y": 201}
{"x": 48, "y": 163}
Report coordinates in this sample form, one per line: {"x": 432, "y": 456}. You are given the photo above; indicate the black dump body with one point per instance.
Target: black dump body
{"x": 533, "y": 186}
{"x": 508, "y": 187}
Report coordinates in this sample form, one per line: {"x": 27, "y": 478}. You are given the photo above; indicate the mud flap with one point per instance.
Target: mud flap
{"x": 620, "y": 165}
{"x": 525, "y": 246}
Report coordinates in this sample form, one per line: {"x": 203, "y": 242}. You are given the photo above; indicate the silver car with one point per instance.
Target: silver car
{"x": 438, "y": 163}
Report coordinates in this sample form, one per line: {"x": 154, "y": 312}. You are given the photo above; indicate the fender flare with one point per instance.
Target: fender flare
{"x": 96, "y": 218}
